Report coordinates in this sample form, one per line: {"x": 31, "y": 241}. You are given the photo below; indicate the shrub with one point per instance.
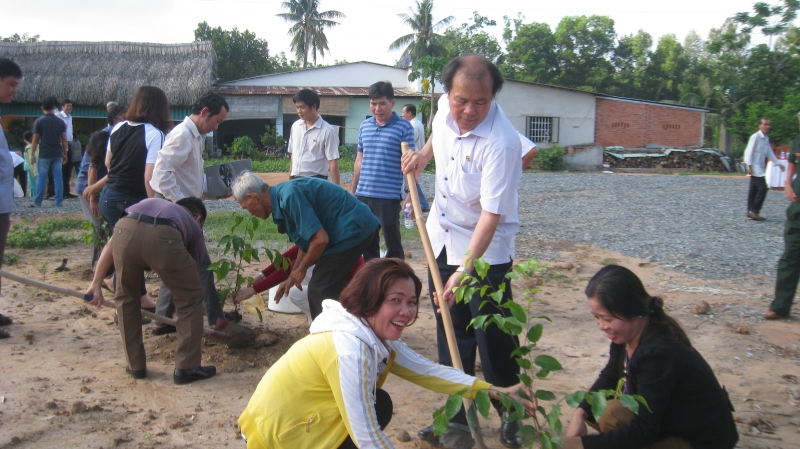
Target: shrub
{"x": 551, "y": 158}
{"x": 271, "y": 139}
{"x": 242, "y": 146}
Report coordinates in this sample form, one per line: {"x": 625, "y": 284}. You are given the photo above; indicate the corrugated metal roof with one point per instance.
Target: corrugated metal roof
{"x": 322, "y": 91}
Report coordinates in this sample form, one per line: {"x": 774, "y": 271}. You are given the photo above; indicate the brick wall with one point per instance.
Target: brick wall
{"x": 635, "y": 125}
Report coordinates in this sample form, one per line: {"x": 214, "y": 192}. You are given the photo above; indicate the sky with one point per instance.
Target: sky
{"x": 364, "y": 35}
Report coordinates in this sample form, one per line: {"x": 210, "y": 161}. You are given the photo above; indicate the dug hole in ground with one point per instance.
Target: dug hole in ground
{"x": 63, "y": 382}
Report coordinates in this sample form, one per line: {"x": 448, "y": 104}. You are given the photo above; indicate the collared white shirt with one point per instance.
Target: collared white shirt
{"x": 476, "y": 171}
{"x": 68, "y": 120}
{"x": 312, "y": 148}
{"x": 178, "y": 172}
{"x": 758, "y": 148}
{"x": 419, "y": 133}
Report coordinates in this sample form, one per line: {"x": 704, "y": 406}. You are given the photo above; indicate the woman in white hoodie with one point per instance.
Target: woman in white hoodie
{"x": 325, "y": 391}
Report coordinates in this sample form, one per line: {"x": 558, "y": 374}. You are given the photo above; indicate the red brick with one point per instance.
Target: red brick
{"x": 634, "y": 125}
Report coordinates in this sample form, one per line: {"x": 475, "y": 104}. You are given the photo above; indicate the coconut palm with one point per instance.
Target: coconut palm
{"x": 423, "y": 41}
{"x": 307, "y": 33}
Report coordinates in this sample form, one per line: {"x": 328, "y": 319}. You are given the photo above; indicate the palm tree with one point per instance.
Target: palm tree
{"x": 308, "y": 30}
{"x": 423, "y": 42}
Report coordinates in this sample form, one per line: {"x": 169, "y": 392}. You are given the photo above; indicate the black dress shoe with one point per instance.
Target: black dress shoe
{"x": 427, "y": 436}
{"x": 164, "y": 330}
{"x": 138, "y": 374}
{"x": 184, "y": 376}
{"x": 509, "y": 434}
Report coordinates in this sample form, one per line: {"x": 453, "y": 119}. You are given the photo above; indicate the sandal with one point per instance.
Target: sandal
{"x": 4, "y": 334}
{"x": 770, "y": 315}
{"x": 5, "y": 321}
{"x": 164, "y": 330}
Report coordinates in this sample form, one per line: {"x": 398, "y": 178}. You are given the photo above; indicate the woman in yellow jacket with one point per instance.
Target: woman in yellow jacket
{"x": 325, "y": 391}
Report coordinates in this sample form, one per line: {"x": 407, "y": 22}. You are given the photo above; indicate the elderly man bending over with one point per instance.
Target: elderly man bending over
{"x": 330, "y": 227}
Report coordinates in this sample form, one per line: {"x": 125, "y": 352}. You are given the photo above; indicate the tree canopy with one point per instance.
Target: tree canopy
{"x": 308, "y": 28}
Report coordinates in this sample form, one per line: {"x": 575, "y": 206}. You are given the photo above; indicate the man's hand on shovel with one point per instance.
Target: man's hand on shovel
{"x": 97, "y": 293}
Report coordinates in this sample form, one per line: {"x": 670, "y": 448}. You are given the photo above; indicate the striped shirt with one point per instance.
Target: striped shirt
{"x": 381, "y": 176}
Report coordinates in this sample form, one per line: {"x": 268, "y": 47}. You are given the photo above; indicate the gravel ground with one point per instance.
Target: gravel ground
{"x": 691, "y": 224}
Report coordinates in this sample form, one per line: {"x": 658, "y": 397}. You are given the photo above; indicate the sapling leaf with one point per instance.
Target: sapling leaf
{"x": 599, "y": 404}
{"x": 500, "y": 320}
{"x": 460, "y": 294}
{"x": 642, "y": 401}
{"x": 477, "y": 322}
{"x": 522, "y": 351}
{"x": 546, "y": 443}
{"x": 481, "y": 267}
{"x": 557, "y": 441}
{"x": 543, "y": 317}
{"x": 535, "y": 333}
{"x": 260, "y": 318}
{"x": 440, "y": 422}
{"x": 483, "y": 290}
{"x": 554, "y": 418}
{"x": 483, "y": 402}
{"x": 497, "y": 296}
{"x": 524, "y": 363}
{"x": 542, "y": 373}
{"x": 629, "y": 402}
{"x": 453, "y": 405}
{"x": 525, "y": 379}
{"x": 512, "y": 326}
{"x": 516, "y": 310}
{"x": 575, "y": 398}
{"x": 547, "y": 362}
{"x": 545, "y": 395}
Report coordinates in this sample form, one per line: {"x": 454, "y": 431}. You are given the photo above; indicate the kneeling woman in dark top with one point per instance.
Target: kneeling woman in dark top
{"x": 651, "y": 352}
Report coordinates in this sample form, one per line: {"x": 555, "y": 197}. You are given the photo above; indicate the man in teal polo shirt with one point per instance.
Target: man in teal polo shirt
{"x": 330, "y": 227}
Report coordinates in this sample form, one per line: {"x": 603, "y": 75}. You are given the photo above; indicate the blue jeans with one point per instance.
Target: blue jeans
{"x": 113, "y": 204}
{"x": 52, "y": 165}
{"x": 423, "y": 202}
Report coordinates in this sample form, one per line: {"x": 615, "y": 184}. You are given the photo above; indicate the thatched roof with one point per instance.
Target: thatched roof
{"x": 93, "y": 73}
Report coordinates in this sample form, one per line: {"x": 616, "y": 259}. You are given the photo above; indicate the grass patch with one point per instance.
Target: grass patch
{"x": 10, "y": 259}
{"x": 608, "y": 261}
{"x": 218, "y": 224}
{"x": 280, "y": 165}
{"x": 23, "y": 235}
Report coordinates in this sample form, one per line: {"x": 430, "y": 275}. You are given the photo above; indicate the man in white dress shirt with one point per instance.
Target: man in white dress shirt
{"x": 313, "y": 142}
{"x": 758, "y": 148}
{"x": 74, "y": 146}
{"x": 177, "y": 174}
{"x": 474, "y": 214}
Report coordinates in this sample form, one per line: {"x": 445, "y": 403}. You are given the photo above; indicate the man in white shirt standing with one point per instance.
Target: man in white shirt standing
{"x": 758, "y": 148}
{"x": 177, "y": 174}
{"x": 409, "y": 113}
{"x": 474, "y": 214}
{"x": 313, "y": 142}
{"x": 66, "y": 168}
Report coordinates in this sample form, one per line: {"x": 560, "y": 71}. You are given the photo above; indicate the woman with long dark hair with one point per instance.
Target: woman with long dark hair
{"x": 132, "y": 152}
{"x": 650, "y": 356}
{"x": 326, "y": 390}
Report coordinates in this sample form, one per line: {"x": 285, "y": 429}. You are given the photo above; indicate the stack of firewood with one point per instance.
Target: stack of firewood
{"x": 690, "y": 160}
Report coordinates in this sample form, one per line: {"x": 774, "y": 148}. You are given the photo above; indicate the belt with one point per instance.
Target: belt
{"x": 148, "y": 219}
{"x": 309, "y": 176}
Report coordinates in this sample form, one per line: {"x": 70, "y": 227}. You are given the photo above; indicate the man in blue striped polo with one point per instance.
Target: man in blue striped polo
{"x": 377, "y": 177}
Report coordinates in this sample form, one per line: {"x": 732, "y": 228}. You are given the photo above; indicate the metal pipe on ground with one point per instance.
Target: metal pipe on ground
{"x": 235, "y": 336}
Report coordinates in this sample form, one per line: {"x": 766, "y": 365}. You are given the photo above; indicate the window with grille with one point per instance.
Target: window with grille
{"x": 543, "y": 129}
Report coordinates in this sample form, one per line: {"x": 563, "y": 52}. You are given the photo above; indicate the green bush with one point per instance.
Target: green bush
{"x": 242, "y": 146}
{"x": 551, "y": 158}
{"x": 271, "y": 139}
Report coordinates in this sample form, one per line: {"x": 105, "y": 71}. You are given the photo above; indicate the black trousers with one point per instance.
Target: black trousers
{"x": 493, "y": 345}
{"x": 66, "y": 174}
{"x": 383, "y": 409}
{"x": 388, "y": 213}
{"x": 331, "y": 273}
{"x": 757, "y": 194}
{"x": 22, "y": 176}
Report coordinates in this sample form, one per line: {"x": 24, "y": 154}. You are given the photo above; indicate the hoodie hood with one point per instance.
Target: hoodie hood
{"x": 334, "y": 317}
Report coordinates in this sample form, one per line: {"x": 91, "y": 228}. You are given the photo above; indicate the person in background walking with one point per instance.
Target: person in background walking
{"x": 50, "y": 132}
{"x": 789, "y": 263}
{"x": 409, "y": 113}
{"x": 66, "y": 168}
{"x": 10, "y": 77}
{"x": 758, "y": 148}
{"x": 33, "y": 170}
